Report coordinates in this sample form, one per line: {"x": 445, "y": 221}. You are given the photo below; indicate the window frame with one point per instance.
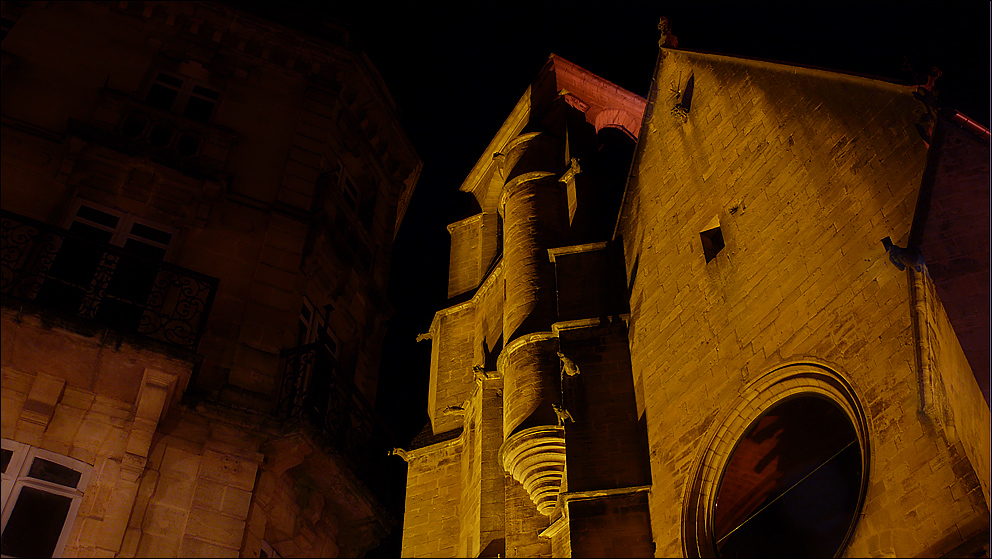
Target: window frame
{"x": 185, "y": 92}
{"x": 23, "y": 457}
{"x": 123, "y": 230}
{"x": 318, "y": 324}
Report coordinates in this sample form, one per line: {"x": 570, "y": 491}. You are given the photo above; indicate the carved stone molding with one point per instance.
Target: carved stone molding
{"x": 535, "y": 457}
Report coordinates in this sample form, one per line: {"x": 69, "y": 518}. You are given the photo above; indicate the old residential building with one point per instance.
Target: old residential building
{"x": 198, "y": 212}
{"x": 746, "y": 316}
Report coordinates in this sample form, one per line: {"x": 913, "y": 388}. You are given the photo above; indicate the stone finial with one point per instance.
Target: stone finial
{"x": 668, "y": 39}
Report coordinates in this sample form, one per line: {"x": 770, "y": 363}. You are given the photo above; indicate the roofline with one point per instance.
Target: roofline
{"x": 886, "y": 83}
{"x": 520, "y": 115}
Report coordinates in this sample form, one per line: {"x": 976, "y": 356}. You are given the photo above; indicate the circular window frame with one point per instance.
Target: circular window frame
{"x": 771, "y": 389}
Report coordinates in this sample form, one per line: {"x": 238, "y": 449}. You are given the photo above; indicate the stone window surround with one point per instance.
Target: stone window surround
{"x": 699, "y": 494}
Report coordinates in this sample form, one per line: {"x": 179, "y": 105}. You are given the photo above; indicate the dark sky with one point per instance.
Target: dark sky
{"x": 456, "y": 69}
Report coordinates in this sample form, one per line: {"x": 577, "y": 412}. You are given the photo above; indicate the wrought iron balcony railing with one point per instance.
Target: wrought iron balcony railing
{"x": 133, "y": 127}
{"x": 314, "y": 388}
{"x": 57, "y": 269}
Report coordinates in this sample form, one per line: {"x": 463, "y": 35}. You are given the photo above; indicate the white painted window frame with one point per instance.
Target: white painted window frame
{"x": 16, "y": 478}
{"x": 125, "y": 222}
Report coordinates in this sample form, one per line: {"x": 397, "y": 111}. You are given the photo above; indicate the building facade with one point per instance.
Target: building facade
{"x": 198, "y": 211}
{"x": 719, "y": 321}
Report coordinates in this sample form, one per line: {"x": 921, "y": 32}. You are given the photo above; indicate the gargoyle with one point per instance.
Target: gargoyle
{"x": 568, "y": 367}
{"x": 562, "y": 414}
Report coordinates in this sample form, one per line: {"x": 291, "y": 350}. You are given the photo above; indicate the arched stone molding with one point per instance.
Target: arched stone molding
{"x": 535, "y": 457}
{"x": 775, "y": 386}
{"x": 617, "y": 118}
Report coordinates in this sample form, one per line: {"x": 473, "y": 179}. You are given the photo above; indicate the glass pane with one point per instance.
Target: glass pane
{"x": 161, "y": 97}
{"x": 792, "y": 485}
{"x": 206, "y": 92}
{"x": 161, "y": 135}
{"x": 56, "y": 473}
{"x": 7, "y": 455}
{"x": 96, "y": 216}
{"x": 303, "y": 334}
{"x": 35, "y": 524}
{"x": 187, "y": 144}
{"x": 77, "y": 260}
{"x": 144, "y": 250}
{"x": 199, "y": 109}
{"x": 170, "y": 80}
{"x": 134, "y": 126}
{"x": 91, "y": 233}
{"x": 151, "y": 233}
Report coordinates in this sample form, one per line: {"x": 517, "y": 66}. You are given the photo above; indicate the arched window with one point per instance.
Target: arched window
{"x": 791, "y": 485}
{"x": 786, "y": 471}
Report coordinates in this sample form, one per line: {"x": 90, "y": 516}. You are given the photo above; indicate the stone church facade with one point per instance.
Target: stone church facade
{"x": 745, "y": 316}
{"x": 198, "y": 211}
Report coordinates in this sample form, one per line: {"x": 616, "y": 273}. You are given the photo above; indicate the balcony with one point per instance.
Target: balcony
{"x": 136, "y": 128}
{"x": 314, "y": 388}
{"x": 59, "y": 270}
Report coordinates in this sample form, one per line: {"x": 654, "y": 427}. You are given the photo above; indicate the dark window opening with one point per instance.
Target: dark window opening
{"x": 95, "y": 215}
{"x": 188, "y": 144}
{"x": 199, "y": 109}
{"x": 367, "y": 211}
{"x": 5, "y": 26}
{"x": 792, "y": 485}
{"x": 712, "y": 242}
{"x": 47, "y": 470}
{"x": 133, "y": 126}
{"x": 350, "y": 193}
{"x": 162, "y": 97}
{"x": 6, "y": 455}
{"x": 150, "y": 233}
{"x": 182, "y": 96}
{"x": 161, "y": 135}
{"x": 35, "y": 524}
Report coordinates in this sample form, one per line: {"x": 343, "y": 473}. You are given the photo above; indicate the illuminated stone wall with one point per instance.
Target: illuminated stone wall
{"x": 805, "y": 172}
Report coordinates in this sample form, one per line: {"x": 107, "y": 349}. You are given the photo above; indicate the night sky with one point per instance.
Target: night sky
{"x": 456, "y": 70}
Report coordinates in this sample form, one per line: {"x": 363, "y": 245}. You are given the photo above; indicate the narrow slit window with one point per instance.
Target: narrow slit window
{"x": 712, "y": 242}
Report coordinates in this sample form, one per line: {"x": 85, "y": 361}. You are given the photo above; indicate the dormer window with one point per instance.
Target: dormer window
{"x": 182, "y": 95}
